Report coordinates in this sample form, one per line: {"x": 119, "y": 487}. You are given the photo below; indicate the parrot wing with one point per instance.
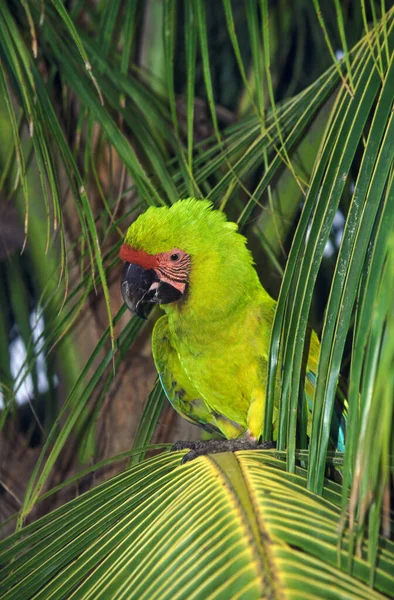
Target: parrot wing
{"x": 178, "y": 388}
{"x": 338, "y": 426}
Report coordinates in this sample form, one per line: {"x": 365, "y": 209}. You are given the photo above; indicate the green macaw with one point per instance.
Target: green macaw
{"x": 211, "y": 346}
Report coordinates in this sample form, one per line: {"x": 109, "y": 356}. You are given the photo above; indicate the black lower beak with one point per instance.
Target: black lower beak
{"x": 140, "y": 286}
{"x": 136, "y": 287}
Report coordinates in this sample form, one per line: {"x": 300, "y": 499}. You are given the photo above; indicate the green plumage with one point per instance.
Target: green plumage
{"x": 211, "y": 347}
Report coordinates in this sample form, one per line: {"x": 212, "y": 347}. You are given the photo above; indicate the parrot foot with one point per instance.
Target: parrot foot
{"x": 204, "y": 447}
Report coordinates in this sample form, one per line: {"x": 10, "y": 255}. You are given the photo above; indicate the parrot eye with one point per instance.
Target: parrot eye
{"x": 174, "y": 257}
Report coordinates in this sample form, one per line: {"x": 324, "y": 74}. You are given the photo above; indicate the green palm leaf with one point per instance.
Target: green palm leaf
{"x": 224, "y": 526}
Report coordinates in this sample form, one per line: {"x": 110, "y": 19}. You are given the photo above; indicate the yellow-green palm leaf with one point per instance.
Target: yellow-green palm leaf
{"x": 223, "y": 526}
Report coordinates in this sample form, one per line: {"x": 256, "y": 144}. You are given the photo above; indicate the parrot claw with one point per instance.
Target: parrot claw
{"x": 204, "y": 447}
{"x": 181, "y": 445}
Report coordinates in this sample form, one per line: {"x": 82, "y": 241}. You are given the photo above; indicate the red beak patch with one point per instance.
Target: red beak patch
{"x": 138, "y": 257}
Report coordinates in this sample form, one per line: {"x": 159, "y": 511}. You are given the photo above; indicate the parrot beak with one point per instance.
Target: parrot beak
{"x": 139, "y": 286}
{"x": 136, "y": 286}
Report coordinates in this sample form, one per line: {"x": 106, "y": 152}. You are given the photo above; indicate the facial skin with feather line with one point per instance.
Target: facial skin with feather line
{"x": 160, "y": 278}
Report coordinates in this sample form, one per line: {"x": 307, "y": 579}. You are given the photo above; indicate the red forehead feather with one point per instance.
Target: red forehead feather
{"x": 138, "y": 257}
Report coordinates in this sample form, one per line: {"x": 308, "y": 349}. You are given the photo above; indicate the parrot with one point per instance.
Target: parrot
{"x": 211, "y": 345}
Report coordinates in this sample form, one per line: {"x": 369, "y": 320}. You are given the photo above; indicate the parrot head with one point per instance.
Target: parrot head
{"x": 161, "y": 278}
{"x": 172, "y": 254}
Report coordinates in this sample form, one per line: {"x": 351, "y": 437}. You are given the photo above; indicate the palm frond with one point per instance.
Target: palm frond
{"x": 236, "y": 525}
